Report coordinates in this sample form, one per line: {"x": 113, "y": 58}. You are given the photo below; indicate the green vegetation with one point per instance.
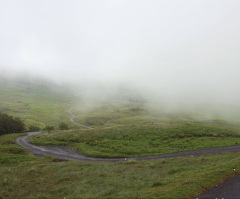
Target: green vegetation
{"x": 36, "y": 103}
{"x": 33, "y": 128}
{"x": 8, "y": 124}
{"x": 110, "y": 114}
{"x": 129, "y": 130}
{"x": 130, "y": 141}
{"x": 122, "y": 130}
{"x": 48, "y": 128}
{"x": 26, "y": 176}
{"x": 63, "y": 126}
{"x": 10, "y": 152}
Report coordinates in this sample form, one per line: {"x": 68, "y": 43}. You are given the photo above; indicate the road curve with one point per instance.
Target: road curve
{"x": 56, "y": 151}
{"x": 71, "y": 154}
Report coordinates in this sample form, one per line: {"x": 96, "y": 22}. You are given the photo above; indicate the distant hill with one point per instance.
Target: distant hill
{"x": 38, "y": 103}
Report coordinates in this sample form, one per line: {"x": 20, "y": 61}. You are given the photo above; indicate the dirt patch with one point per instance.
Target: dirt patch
{"x": 59, "y": 160}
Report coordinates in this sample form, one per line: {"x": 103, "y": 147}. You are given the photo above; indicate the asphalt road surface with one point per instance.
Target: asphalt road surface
{"x": 229, "y": 189}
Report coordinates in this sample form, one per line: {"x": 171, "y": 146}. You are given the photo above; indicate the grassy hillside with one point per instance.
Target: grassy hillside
{"x": 129, "y": 130}
{"x": 36, "y": 103}
{"x": 122, "y": 129}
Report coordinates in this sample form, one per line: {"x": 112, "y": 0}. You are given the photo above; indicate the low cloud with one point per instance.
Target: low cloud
{"x": 173, "y": 53}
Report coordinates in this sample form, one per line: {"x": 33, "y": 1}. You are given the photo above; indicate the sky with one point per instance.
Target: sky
{"x": 172, "y": 51}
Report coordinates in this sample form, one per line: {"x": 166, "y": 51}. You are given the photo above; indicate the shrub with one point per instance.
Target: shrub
{"x": 63, "y": 126}
{"x": 34, "y": 128}
{"x": 49, "y": 128}
{"x": 8, "y": 124}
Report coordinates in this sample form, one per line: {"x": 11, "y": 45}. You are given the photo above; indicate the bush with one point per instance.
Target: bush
{"x": 63, "y": 126}
{"x": 34, "y": 128}
{"x": 49, "y": 128}
{"x": 8, "y": 124}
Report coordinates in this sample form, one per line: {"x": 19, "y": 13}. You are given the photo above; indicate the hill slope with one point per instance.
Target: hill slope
{"x": 36, "y": 103}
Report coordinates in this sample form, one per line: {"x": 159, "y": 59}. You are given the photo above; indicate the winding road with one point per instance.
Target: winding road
{"x": 71, "y": 154}
{"x": 228, "y": 189}
{"x": 72, "y": 120}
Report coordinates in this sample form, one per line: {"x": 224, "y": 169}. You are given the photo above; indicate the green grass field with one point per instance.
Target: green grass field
{"x": 123, "y": 128}
{"x": 26, "y": 176}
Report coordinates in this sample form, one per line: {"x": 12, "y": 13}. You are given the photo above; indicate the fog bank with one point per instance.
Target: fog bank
{"x": 173, "y": 53}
